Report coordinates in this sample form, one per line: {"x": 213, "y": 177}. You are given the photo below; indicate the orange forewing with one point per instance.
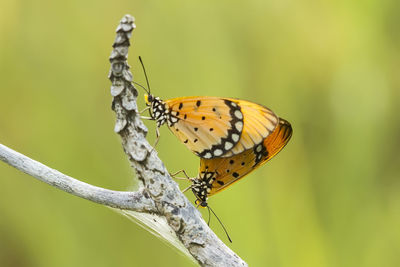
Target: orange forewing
{"x": 215, "y": 127}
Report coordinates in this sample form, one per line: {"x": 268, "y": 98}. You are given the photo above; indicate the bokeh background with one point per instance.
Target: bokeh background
{"x": 330, "y": 198}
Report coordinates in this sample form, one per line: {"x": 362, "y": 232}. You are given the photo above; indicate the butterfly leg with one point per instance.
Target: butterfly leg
{"x": 209, "y": 216}
{"x": 146, "y": 118}
{"x": 157, "y": 130}
{"x": 157, "y": 138}
{"x": 173, "y": 175}
{"x": 187, "y": 188}
{"x": 147, "y": 108}
{"x": 179, "y": 178}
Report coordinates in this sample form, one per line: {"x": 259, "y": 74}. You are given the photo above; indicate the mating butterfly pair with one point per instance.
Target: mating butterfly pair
{"x": 232, "y": 137}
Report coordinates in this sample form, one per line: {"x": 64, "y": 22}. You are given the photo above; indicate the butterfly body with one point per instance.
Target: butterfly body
{"x": 219, "y": 173}
{"x": 214, "y": 127}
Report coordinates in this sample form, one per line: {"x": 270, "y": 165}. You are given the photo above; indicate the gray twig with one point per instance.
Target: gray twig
{"x": 158, "y": 204}
{"x": 135, "y": 201}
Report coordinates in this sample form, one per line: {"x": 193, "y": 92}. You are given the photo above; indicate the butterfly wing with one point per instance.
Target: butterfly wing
{"x": 259, "y": 122}
{"x": 209, "y": 126}
{"x": 219, "y": 127}
{"x": 232, "y": 169}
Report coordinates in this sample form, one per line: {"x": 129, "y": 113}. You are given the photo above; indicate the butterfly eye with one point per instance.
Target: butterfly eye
{"x": 201, "y": 203}
{"x": 148, "y": 99}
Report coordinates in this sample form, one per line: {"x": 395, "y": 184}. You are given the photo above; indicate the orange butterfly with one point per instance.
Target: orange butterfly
{"x": 212, "y": 126}
{"x": 219, "y": 173}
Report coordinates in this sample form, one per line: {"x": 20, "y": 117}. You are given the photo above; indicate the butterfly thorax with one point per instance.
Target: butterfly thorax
{"x": 202, "y": 187}
{"x": 160, "y": 111}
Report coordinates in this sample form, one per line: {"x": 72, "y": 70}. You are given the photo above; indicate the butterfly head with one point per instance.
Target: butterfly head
{"x": 148, "y": 98}
{"x": 202, "y": 187}
{"x": 201, "y": 203}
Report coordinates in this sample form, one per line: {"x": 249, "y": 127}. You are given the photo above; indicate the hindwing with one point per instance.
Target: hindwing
{"x": 226, "y": 171}
{"x": 259, "y": 122}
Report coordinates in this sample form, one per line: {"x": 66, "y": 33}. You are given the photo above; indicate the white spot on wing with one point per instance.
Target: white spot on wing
{"x": 218, "y": 152}
{"x": 207, "y": 155}
{"x": 238, "y": 114}
{"x": 239, "y": 126}
{"x": 228, "y": 145}
{"x": 235, "y": 137}
{"x": 259, "y": 148}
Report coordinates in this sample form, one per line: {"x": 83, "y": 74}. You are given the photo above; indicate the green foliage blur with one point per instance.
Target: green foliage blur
{"x": 331, "y": 68}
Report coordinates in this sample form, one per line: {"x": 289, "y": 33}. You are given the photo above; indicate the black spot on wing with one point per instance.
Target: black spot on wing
{"x": 233, "y": 135}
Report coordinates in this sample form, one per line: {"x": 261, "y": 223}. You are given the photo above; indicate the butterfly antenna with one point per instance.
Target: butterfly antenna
{"x": 226, "y": 232}
{"x": 145, "y": 74}
{"x": 144, "y": 88}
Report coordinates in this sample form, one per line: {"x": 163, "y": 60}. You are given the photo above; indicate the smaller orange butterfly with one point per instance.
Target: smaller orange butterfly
{"x": 219, "y": 173}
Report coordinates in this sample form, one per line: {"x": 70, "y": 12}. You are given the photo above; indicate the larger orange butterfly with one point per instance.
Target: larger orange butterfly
{"x": 212, "y": 126}
{"x": 219, "y": 173}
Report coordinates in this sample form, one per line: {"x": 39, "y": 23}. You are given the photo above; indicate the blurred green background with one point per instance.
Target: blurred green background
{"x": 330, "y": 198}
